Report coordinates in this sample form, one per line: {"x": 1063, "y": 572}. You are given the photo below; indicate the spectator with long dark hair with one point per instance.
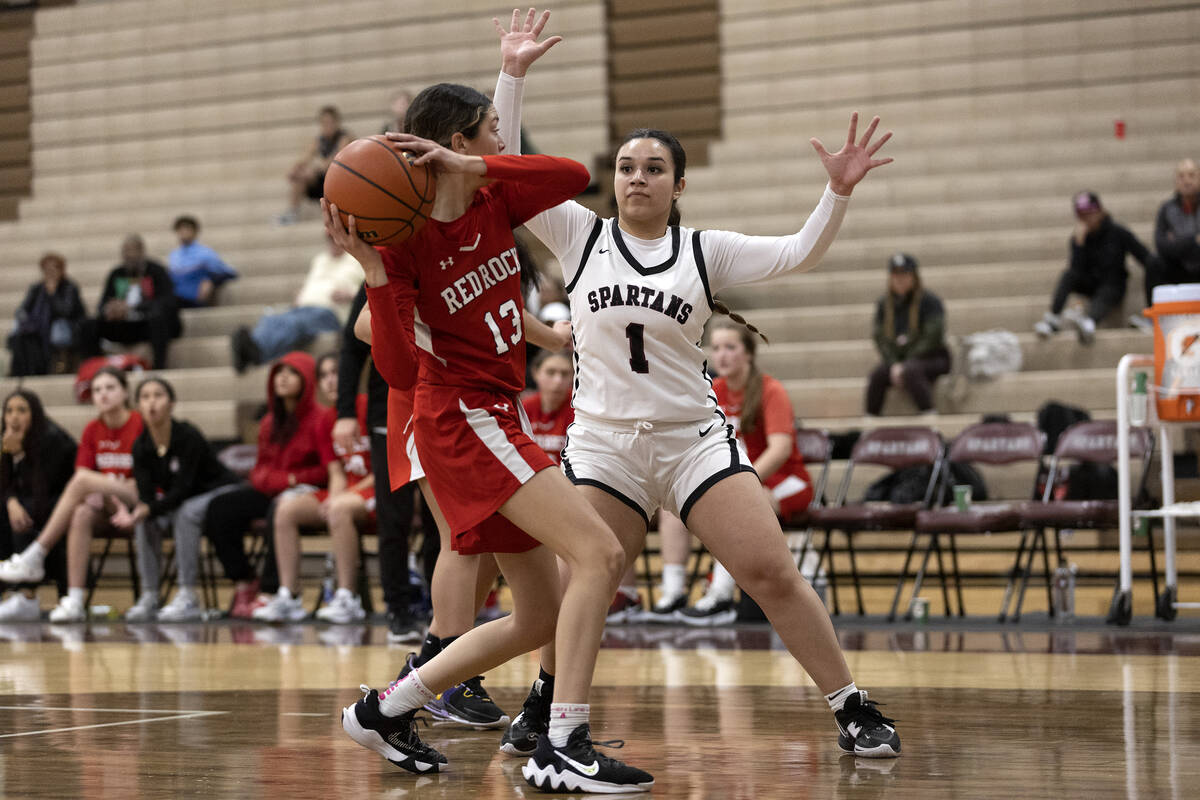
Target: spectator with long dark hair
{"x": 94, "y": 499}
{"x": 48, "y": 321}
{"x": 294, "y": 449}
{"x": 177, "y": 475}
{"x": 35, "y": 466}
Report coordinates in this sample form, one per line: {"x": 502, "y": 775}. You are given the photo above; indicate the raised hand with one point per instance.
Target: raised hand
{"x": 851, "y": 164}
{"x": 442, "y": 158}
{"x": 519, "y": 46}
{"x": 345, "y": 236}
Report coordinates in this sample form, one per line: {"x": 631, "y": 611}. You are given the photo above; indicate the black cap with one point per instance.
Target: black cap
{"x": 902, "y": 262}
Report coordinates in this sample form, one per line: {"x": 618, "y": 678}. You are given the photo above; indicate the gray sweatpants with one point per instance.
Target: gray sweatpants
{"x": 187, "y": 523}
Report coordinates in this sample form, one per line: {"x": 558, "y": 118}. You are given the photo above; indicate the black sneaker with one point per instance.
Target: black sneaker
{"x": 522, "y": 735}
{"x": 403, "y": 629}
{"x": 663, "y": 612}
{"x": 468, "y": 703}
{"x": 864, "y": 731}
{"x": 394, "y": 738}
{"x": 709, "y": 612}
{"x": 579, "y": 768}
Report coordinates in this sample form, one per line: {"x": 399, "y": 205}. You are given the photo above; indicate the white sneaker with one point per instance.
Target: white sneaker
{"x": 343, "y": 608}
{"x": 1085, "y": 329}
{"x": 1047, "y": 326}
{"x": 184, "y": 607}
{"x": 710, "y": 610}
{"x": 68, "y": 610}
{"x": 664, "y": 610}
{"x": 19, "y": 608}
{"x": 144, "y": 610}
{"x": 1141, "y": 322}
{"x": 282, "y": 607}
{"x": 17, "y": 569}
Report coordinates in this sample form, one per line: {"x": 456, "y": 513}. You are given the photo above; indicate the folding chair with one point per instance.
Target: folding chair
{"x": 1082, "y": 443}
{"x": 992, "y": 443}
{"x": 894, "y": 448}
{"x": 97, "y": 561}
{"x": 816, "y": 449}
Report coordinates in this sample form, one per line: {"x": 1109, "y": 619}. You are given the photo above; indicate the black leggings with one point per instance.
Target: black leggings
{"x": 394, "y": 515}
{"x": 1104, "y": 296}
{"x": 919, "y": 375}
{"x": 227, "y": 523}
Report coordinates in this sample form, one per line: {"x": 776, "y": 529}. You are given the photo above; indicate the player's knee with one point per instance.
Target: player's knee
{"x": 765, "y": 582}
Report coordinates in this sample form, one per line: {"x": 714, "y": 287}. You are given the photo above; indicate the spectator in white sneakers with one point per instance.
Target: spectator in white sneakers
{"x": 347, "y": 505}
{"x": 1096, "y": 270}
{"x": 35, "y": 467}
{"x": 177, "y": 476}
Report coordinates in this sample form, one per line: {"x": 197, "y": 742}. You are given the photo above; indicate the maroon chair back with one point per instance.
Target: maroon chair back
{"x": 814, "y": 445}
{"x": 1097, "y": 441}
{"x": 998, "y": 443}
{"x": 898, "y": 447}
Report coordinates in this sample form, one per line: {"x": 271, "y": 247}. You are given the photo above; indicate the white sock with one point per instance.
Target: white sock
{"x": 672, "y": 580}
{"x": 838, "y": 699}
{"x": 722, "y": 585}
{"x": 76, "y": 594}
{"x": 148, "y": 599}
{"x": 564, "y": 718}
{"x": 35, "y": 553}
{"x": 344, "y": 592}
{"x": 404, "y": 696}
{"x": 186, "y": 593}
{"x": 629, "y": 591}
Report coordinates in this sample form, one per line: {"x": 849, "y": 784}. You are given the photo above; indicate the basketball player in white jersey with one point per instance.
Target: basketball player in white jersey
{"x": 647, "y": 429}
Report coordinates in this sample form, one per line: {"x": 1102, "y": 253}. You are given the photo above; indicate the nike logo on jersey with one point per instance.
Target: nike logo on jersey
{"x": 603, "y": 250}
{"x": 483, "y": 277}
{"x": 472, "y": 248}
{"x": 643, "y": 296}
{"x": 589, "y": 770}
{"x": 704, "y": 432}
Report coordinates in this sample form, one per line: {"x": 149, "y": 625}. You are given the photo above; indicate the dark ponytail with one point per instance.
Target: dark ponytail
{"x": 721, "y": 308}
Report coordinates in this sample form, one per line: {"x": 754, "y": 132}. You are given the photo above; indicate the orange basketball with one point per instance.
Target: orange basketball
{"x": 388, "y": 196}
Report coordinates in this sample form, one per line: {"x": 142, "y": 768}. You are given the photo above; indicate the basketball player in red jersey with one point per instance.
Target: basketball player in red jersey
{"x": 446, "y": 317}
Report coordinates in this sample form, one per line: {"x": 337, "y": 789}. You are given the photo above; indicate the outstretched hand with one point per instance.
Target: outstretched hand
{"x": 851, "y": 164}
{"x": 442, "y": 159}
{"x": 519, "y": 46}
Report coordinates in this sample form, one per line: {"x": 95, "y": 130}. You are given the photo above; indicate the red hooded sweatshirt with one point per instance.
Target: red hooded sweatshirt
{"x": 303, "y": 458}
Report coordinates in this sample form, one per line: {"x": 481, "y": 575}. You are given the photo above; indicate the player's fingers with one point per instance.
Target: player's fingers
{"x": 853, "y": 128}
{"x": 820, "y": 148}
{"x": 879, "y": 162}
{"x": 540, "y": 22}
{"x": 499, "y": 28}
{"x": 516, "y": 20}
{"x": 352, "y": 228}
{"x": 869, "y": 132}
{"x": 553, "y": 40}
{"x": 882, "y": 141}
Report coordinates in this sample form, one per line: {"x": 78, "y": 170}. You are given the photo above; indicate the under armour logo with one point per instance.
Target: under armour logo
{"x": 449, "y": 262}
{"x": 501, "y": 406}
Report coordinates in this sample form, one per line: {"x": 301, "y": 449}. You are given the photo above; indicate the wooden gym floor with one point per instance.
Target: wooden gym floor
{"x": 241, "y": 711}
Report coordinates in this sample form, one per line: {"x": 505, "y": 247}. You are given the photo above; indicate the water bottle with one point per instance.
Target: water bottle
{"x": 1138, "y": 400}
{"x": 328, "y": 583}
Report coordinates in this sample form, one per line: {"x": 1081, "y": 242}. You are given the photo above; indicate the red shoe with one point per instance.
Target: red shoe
{"x": 245, "y": 601}
{"x": 625, "y": 609}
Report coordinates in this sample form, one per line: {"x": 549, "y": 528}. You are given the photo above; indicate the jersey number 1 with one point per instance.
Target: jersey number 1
{"x": 509, "y": 309}
{"x": 637, "y": 348}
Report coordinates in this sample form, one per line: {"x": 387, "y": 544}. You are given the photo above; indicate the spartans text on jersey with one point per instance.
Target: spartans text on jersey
{"x": 644, "y": 296}
{"x": 483, "y": 277}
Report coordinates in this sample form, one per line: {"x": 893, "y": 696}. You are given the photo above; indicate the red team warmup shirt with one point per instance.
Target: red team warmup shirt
{"x": 549, "y": 429}
{"x": 356, "y": 463}
{"x": 452, "y": 309}
{"x": 109, "y": 450}
{"x": 776, "y": 416}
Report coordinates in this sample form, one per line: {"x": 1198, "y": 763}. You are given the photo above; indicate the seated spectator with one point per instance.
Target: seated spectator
{"x": 294, "y": 449}
{"x": 177, "y": 476}
{"x": 1096, "y": 270}
{"x": 321, "y": 306}
{"x": 307, "y": 176}
{"x": 48, "y": 320}
{"x": 1176, "y": 237}
{"x": 399, "y": 108}
{"x": 196, "y": 269}
{"x": 35, "y": 467}
{"x": 910, "y": 335}
{"x": 137, "y": 305}
{"x": 97, "y": 498}
{"x": 549, "y": 408}
{"x": 759, "y": 409}
{"x": 344, "y": 508}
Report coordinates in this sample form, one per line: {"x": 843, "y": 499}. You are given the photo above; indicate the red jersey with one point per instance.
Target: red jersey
{"x": 453, "y": 298}
{"x": 399, "y": 426}
{"x": 776, "y": 416}
{"x": 549, "y": 429}
{"x": 357, "y": 463}
{"x": 109, "y": 450}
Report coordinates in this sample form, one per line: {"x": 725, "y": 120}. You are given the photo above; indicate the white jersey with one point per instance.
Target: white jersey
{"x": 638, "y": 307}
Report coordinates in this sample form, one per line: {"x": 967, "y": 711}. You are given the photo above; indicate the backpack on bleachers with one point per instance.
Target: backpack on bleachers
{"x": 989, "y": 354}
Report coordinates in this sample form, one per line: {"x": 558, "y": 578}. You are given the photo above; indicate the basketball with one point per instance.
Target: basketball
{"x": 389, "y": 198}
